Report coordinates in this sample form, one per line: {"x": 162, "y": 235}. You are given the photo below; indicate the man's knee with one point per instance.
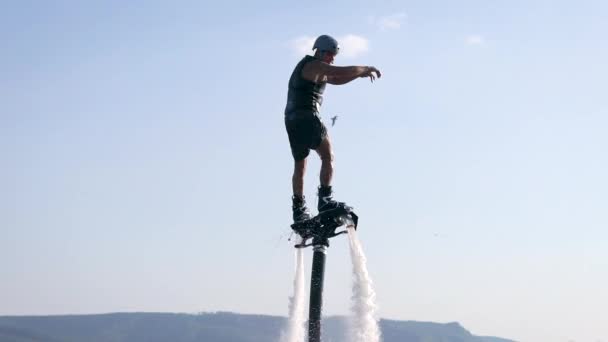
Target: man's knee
{"x": 325, "y": 151}
{"x": 327, "y": 157}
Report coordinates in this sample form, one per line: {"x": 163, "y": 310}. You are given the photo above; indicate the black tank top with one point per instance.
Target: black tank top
{"x": 303, "y": 95}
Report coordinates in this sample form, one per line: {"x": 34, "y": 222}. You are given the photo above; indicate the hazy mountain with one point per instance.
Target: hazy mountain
{"x": 206, "y": 327}
{"x": 494, "y": 339}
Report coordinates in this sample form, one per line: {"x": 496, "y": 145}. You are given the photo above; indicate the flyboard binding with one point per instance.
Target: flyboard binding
{"x": 323, "y": 226}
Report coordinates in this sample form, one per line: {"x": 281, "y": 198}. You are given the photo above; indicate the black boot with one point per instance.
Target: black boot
{"x": 300, "y": 212}
{"x": 326, "y": 202}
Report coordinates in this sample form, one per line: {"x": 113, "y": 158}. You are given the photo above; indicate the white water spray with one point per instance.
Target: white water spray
{"x": 295, "y": 330}
{"x": 363, "y": 321}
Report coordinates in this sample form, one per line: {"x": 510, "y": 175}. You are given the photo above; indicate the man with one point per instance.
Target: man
{"x": 304, "y": 127}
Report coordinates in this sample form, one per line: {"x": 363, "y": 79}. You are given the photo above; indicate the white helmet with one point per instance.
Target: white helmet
{"x": 326, "y": 43}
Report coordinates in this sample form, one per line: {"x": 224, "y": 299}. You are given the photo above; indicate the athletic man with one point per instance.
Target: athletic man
{"x": 304, "y": 127}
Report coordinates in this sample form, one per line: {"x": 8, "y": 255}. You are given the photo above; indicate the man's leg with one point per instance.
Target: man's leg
{"x": 297, "y": 180}
{"x": 298, "y": 131}
{"x": 327, "y": 161}
{"x": 300, "y": 211}
{"x": 326, "y": 202}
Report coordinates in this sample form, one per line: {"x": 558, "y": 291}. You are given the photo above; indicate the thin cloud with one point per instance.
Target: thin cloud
{"x": 475, "y": 39}
{"x": 389, "y": 22}
{"x": 351, "y": 45}
{"x": 302, "y": 45}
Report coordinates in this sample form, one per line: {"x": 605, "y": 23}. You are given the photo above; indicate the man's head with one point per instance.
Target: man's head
{"x": 326, "y": 48}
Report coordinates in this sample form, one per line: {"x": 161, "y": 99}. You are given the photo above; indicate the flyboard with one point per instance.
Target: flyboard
{"x": 319, "y": 229}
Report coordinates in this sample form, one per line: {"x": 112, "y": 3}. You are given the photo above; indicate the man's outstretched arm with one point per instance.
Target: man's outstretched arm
{"x": 338, "y": 80}
{"x": 318, "y": 71}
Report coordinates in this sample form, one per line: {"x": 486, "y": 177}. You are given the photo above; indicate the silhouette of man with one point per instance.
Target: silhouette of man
{"x": 304, "y": 127}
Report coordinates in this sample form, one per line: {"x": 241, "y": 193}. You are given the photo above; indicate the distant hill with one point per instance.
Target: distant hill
{"x": 206, "y": 327}
{"x": 494, "y": 339}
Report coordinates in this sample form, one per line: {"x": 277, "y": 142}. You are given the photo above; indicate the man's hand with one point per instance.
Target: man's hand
{"x": 369, "y": 72}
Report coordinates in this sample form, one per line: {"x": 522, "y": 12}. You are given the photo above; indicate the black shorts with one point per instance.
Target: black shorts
{"x": 305, "y": 131}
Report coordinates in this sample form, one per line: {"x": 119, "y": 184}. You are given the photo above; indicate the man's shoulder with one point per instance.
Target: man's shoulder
{"x": 307, "y": 59}
{"x": 315, "y": 63}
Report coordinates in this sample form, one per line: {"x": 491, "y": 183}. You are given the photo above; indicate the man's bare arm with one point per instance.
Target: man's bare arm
{"x": 339, "y": 80}
{"x": 370, "y": 72}
{"x": 317, "y": 71}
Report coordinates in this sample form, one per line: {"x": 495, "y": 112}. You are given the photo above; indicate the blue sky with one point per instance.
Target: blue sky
{"x": 145, "y": 164}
